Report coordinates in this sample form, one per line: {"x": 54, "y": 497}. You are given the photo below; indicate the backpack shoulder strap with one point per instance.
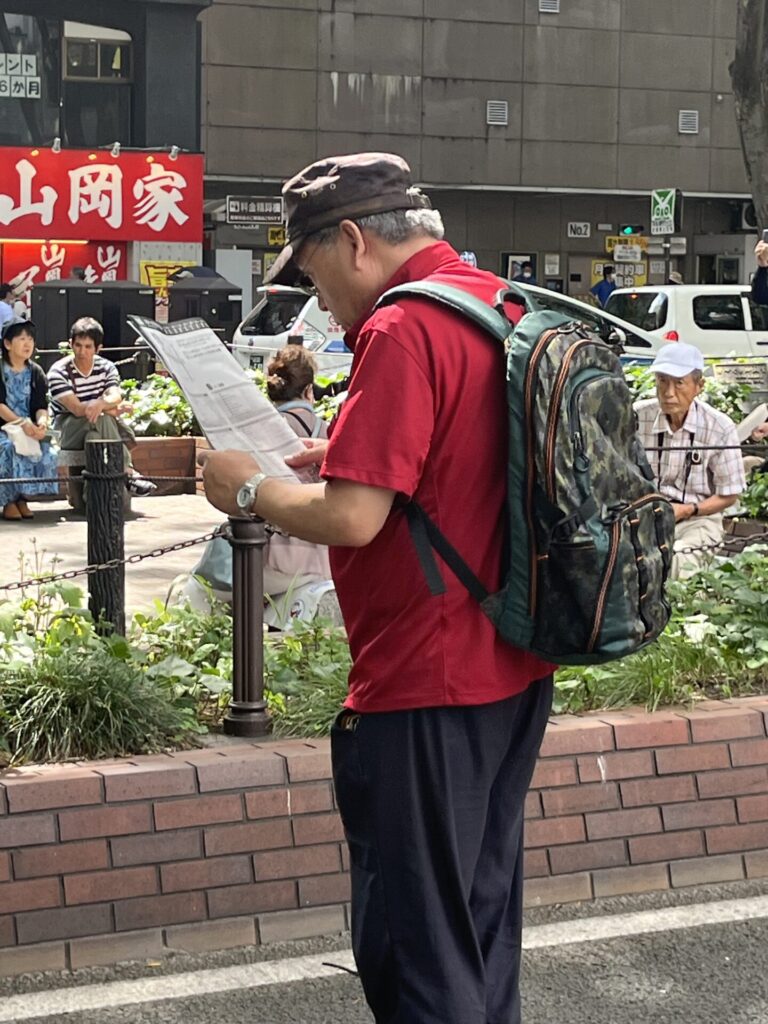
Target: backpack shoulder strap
{"x": 483, "y": 314}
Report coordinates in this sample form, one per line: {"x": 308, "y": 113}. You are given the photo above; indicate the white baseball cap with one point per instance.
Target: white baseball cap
{"x": 678, "y": 359}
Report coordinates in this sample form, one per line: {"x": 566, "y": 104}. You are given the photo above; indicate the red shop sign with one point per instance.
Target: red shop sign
{"x": 82, "y": 194}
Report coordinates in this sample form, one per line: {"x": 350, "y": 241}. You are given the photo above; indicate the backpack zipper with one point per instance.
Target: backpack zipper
{"x": 528, "y": 405}
{"x": 574, "y": 417}
{"x": 611, "y": 564}
{"x": 554, "y": 411}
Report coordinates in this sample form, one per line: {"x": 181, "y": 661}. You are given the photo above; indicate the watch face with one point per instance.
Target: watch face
{"x": 245, "y": 498}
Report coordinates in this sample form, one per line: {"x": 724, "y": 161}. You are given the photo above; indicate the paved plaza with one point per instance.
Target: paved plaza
{"x": 153, "y": 522}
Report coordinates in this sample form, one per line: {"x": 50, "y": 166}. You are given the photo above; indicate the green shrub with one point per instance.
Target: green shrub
{"x": 726, "y": 396}
{"x": 754, "y": 500}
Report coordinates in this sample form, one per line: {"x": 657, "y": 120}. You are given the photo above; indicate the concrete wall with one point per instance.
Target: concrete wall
{"x": 286, "y": 82}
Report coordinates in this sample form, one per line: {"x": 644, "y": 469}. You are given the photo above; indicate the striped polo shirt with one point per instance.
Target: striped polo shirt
{"x": 64, "y": 378}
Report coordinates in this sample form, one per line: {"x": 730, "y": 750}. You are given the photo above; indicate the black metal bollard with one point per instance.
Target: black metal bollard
{"x": 247, "y": 714}
{"x": 104, "y": 509}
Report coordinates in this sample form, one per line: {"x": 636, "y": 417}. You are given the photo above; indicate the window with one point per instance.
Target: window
{"x": 759, "y": 315}
{"x": 718, "y": 312}
{"x": 97, "y": 85}
{"x": 275, "y": 314}
{"x": 30, "y": 79}
{"x": 647, "y": 310}
{"x": 95, "y": 53}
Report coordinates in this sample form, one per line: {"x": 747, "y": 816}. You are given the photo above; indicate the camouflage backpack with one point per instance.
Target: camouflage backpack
{"x": 589, "y": 541}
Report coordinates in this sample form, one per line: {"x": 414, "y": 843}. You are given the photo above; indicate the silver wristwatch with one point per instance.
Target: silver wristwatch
{"x": 246, "y": 496}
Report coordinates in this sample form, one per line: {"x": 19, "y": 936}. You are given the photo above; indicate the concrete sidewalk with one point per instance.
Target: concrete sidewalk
{"x": 154, "y": 522}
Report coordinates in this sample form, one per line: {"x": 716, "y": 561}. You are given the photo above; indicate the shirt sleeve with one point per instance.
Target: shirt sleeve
{"x": 383, "y": 433}
{"x": 59, "y": 383}
{"x": 727, "y": 466}
{"x": 112, "y": 375}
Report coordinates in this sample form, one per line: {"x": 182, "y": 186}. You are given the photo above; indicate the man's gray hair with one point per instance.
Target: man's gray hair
{"x": 393, "y": 227}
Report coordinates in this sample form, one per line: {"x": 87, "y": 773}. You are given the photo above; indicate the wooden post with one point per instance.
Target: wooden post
{"x": 247, "y": 714}
{"x": 104, "y": 509}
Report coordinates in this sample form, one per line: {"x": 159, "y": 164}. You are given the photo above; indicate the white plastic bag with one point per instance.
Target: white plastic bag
{"x": 23, "y": 444}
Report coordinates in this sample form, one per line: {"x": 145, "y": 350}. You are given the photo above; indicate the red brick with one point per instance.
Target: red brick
{"x": 201, "y": 810}
{"x": 600, "y": 796}
{"x": 730, "y": 838}
{"x": 155, "y": 911}
{"x": 306, "y": 762}
{"x": 154, "y": 849}
{"x": 268, "y": 803}
{"x": 543, "y": 892}
{"x": 623, "y": 823}
{"x": 698, "y": 814}
{"x": 31, "y": 830}
{"x": 532, "y": 805}
{"x": 756, "y": 864}
{"x": 257, "y": 768}
{"x": 724, "y": 724}
{"x": 747, "y": 752}
{"x": 146, "y": 944}
{"x": 620, "y": 881}
{"x": 753, "y": 808}
{"x": 43, "y": 956}
{"x": 204, "y": 874}
{"x": 317, "y": 828}
{"x": 307, "y": 923}
{"x": 145, "y": 782}
{"x": 555, "y": 831}
{"x": 608, "y": 853}
{"x": 256, "y": 835}
{"x": 733, "y": 782}
{"x": 314, "y": 892}
{"x": 63, "y": 923}
{"x": 535, "y": 863}
{"x": 707, "y": 870}
{"x": 61, "y": 859}
{"x": 118, "y": 883}
{"x": 551, "y": 772}
{"x": 609, "y": 767}
{"x": 308, "y": 798}
{"x": 105, "y": 821}
{"x": 299, "y": 861}
{"x": 650, "y": 730}
{"x": 670, "y": 846}
{"x": 256, "y": 898}
{"x": 658, "y": 791}
{"x": 575, "y": 736}
{"x": 5, "y": 867}
{"x": 7, "y": 933}
{"x": 39, "y": 793}
{"x": 34, "y": 895}
{"x": 691, "y": 759}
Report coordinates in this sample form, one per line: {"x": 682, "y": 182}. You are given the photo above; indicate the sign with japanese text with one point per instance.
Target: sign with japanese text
{"x": 25, "y": 264}
{"x": 77, "y": 194}
{"x": 638, "y": 241}
{"x": 627, "y": 275}
{"x": 252, "y": 210}
{"x": 156, "y": 273}
{"x": 663, "y": 211}
{"x": 19, "y": 79}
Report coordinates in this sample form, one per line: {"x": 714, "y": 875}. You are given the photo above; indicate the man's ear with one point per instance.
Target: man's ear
{"x": 354, "y": 239}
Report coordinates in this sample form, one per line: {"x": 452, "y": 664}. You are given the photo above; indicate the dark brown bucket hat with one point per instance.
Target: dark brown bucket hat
{"x": 340, "y": 188}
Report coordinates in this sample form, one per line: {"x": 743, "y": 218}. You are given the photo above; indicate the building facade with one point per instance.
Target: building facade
{"x": 539, "y": 127}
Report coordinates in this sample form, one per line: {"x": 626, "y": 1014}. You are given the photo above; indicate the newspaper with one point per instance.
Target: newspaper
{"x": 231, "y": 410}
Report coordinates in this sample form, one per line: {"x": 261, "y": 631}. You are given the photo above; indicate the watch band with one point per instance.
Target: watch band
{"x": 246, "y": 496}
{"x": 695, "y": 509}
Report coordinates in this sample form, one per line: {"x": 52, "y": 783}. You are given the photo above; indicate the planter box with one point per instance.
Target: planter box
{"x": 241, "y": 842}
{"x": 738, "y": 530}
{"x": 166, "y": 456}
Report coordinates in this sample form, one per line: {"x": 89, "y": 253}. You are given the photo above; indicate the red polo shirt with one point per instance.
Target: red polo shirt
{"x": 426, "y": 416}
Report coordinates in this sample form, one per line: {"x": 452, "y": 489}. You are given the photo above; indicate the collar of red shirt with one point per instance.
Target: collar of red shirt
{"x": 422, "y": 264}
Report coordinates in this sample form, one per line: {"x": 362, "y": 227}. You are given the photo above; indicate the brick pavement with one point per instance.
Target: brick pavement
{"x": 153, "y": 522}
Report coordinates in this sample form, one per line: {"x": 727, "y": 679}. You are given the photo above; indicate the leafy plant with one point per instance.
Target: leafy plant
{"x": 755, "y": 499}
{"x": 726, "y": 396}
{"x": 160, "y": 408}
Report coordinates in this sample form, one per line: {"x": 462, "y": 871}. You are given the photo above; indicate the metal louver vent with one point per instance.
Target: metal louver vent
{"x": 497, "y": 112}
{"x": 688, "y": 122}
{"x": 549, "y": 6}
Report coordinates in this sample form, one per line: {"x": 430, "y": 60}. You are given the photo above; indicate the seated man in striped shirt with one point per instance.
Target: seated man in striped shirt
{"x": 78, "y": 384}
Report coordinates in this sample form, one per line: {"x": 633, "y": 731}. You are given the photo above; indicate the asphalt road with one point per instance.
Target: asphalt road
{"x": 700, "y": 963}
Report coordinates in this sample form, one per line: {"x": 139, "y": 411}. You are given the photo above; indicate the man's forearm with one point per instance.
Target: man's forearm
{"x": 312, "y": 512}
{"x": 717, "y": 503}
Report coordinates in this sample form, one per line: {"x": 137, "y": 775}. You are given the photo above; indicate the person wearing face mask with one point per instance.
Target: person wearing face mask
{"x": 605, "y": 287}
{"x": 526, "y": 274}
{"x": 24, "y": 405}
{"x": 694, "y": 451}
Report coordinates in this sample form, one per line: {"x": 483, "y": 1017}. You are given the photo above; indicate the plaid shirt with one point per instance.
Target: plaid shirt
{"x": 689, "y": 475}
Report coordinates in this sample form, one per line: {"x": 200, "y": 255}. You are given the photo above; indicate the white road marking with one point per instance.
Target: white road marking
{"x": 35, "y": 1005}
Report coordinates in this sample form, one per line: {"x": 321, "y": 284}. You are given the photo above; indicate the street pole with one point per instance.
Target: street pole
{"x": 247, "y": 714}
{"x": 105, "y": 513}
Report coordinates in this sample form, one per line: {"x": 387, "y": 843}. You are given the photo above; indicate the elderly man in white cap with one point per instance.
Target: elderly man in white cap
{"x": 693, "y": 450}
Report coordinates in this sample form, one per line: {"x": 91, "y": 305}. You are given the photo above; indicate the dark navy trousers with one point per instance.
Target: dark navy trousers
{"x": 432, "y": 803}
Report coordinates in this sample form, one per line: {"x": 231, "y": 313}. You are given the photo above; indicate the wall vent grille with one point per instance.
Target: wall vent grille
{"x": 549, "y": 6}
{"x": 497, "y": 112}
{"x": 688, "y": 122}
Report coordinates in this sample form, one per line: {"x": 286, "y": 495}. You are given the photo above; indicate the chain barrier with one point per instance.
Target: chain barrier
{"x": 63, "y": 479}
{"x": 115, "y": 563}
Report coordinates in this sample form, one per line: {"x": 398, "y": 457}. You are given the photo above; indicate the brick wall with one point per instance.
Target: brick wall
{"x": 166, "y": 456}
{"x": 115, "y": 860}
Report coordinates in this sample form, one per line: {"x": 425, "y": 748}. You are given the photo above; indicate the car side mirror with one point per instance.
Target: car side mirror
{"x": 615, "y": 337}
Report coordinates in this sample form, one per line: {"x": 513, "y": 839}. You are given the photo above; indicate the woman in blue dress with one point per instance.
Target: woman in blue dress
{"x": 23, "y": 396}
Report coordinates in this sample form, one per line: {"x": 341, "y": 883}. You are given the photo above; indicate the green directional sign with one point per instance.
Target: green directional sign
{"x": 663, "y": 211}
